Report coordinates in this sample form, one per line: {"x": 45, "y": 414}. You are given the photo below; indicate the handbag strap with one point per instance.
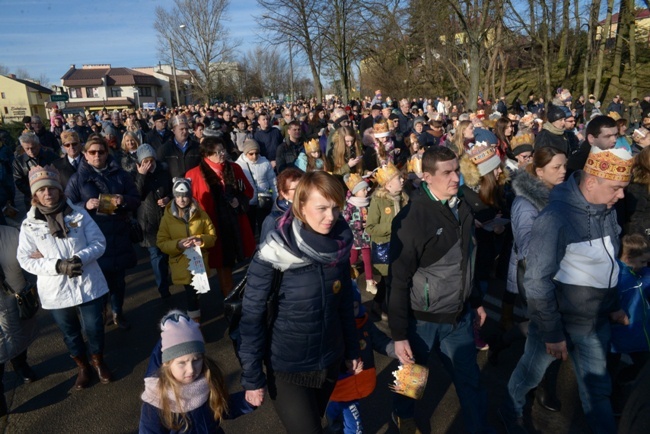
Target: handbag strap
{"x": 253, "y": 177}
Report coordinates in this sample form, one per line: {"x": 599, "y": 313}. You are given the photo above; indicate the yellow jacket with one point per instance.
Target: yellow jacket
{"x": 173, "y": 228}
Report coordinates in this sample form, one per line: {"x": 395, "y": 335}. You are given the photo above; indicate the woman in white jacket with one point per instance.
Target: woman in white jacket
{"x": 260, "y": 175}
{"x": 60, "y": 243}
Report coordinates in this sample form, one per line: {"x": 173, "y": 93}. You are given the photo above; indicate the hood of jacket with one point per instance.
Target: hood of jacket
{"x": 530, "y": 188}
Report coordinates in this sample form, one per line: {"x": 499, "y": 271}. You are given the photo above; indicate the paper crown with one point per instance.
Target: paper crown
{"x": 410, "y": 380}
{"x": 527, "y": 120}
{"x": 436, "y": 116}
{"x": 385, "y": 173}
{"x": 381, "y": 129}
{"x": 40, "y": 177}
{"x": 484, "y": 157}
{"x": 614, "y": 115}
{"x": 414, "y": 165}
{"x": 611, "y": 164}
{"x": 490, "y": 123}
{"x": 355, "y": 182}
{"x": 312, "y": 146}
{"x": 522, "y": 139}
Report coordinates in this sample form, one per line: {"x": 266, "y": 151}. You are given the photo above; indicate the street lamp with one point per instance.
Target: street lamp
{"x": 171, "y": 47}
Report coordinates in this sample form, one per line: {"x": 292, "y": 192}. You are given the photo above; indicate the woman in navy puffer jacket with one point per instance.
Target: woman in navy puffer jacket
{"x": 314, "y": 331}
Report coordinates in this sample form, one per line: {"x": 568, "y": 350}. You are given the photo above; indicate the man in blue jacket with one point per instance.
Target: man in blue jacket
{"x": 571, "y": 277}
{"x": 433, "y": 300}
{"x": 268, "y": 137}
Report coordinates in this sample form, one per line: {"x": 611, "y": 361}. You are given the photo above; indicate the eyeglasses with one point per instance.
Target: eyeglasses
{"x": 67, "y": 145}
{"x": 99, "y": 152}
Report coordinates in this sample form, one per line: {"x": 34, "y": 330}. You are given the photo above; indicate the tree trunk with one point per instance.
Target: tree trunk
{"x": 632, "y": 41}
{"x": 604, "y": 36}
{"x": 621, "y": 32}
{"x": 474, "y": 75}
{"x": 593, "y": 17}
{"x": 504, "y": 71}
{"x": 564, "y": 36}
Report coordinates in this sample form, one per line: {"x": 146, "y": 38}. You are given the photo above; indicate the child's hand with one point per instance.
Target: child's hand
{"x": 354, "y": 366}
{"x": 255, "y": 397}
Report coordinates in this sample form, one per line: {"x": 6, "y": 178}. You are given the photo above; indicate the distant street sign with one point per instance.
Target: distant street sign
{"x": 60, "y": 97}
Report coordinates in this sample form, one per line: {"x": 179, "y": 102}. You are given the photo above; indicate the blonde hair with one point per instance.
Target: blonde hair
{"x": 133, "y": 136}
{"x": 217, "y": 398}
{"x": 324, "y": 183}
{"x": 340, "y": 148}
{"x": 458, "y": 141}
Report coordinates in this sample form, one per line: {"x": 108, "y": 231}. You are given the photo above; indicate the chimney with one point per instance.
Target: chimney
{"x": 13, "y": 76}
{"x": 72, "y": 66}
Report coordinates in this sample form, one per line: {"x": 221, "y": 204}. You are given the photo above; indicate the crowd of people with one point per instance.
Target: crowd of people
{"x": 422, "y": 204}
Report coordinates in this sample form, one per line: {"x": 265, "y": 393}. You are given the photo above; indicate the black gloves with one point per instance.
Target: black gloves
{"x": 70, "y": 267}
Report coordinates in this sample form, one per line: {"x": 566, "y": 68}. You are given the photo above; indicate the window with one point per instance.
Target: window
{"x": 74, "y": 92}
{"x": 116, "y": 92}
{"x": 92, "y": 92}
{"x": 3, "y": 95}
{"x": 144, "y": 91}
{"x": 6, "y": 111}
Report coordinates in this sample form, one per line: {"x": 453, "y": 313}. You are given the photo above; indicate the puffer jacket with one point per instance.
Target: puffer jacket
{"x": 571, "y": 274}
{"x": 634, "y": 295}
{"x": 85, "y": 240}
{"x": 15, "y": 334}
{"x": 314, "y": 327}
{"x": 152, "y": 187}
{"x": 200, "y": 419}
{"x": 532, "y": 197}
{"x": 87, "y": 183}
{"x": 173, "y": 228}
{"x": 260, "y": 175}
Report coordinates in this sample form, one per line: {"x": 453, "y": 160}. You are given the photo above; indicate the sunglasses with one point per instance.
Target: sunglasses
{"x": 100, "y": 152}
{"x": 67, "y": 145}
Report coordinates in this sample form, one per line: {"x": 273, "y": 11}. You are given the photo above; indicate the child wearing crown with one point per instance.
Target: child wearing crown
{"x": 356, "y": 214}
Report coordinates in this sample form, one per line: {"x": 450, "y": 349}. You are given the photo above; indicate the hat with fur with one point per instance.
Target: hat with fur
{"x": 180, "y": 336}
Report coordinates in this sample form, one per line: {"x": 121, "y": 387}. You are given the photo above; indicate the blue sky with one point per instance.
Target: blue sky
{"x": 46, "y": 37}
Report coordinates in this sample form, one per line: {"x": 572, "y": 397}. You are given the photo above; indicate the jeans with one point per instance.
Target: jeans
{"x": 160, "y": 265}
{"x": 344, "y": 417}
{"x": 588, "y": 355}
{"x": 117, "y": 288}
{"x": 454, "y": 344}
{"x": 92, "y": 325}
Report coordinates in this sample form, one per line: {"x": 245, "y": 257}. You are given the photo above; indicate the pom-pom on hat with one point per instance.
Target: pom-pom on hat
{"x": 40, "y": 177}
{"x": 180, "y": 336}
{"x": 611, "y": 164}
{"x": 381, "y": 128}
{"x": 182, "y": 187}
{"x": 355, "y": 182}
{"x": 312, "y": 146}
{"x": 385, "y": 173}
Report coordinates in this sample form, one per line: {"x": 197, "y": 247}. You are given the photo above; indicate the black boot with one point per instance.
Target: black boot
{"x": 547, "y": 390}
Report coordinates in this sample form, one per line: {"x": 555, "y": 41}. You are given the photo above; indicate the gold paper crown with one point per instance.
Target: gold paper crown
{"x": 481, "y": 152}
{"x": 614, "y": 115}
{"x": 381, "y": 129}
{"x": 527, "y": 120}
{"x": 436, "y": 116}
{"x": 352, "y": 180}
{"x": 490, "y": 123}
{"x": 414, "y": 165}
{"x": 385, "y": 173}
{"x": 611, "y": 164}
{"x": 312, "y": 146}
{"x": 522, "y": 139}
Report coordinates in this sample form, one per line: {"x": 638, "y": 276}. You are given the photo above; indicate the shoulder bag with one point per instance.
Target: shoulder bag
{"x": 264, "y": 198}
{"x": 27, "y": 298}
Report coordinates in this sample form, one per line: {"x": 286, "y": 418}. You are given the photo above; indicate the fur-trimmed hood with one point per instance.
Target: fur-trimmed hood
{"x": 471, "y": 175}
{"x": 382, "y": 193}
{"x": 530, "y": 188}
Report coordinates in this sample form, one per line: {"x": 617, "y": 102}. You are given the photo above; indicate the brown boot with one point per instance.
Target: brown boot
{"x": 83, "y": 377}
{"x": 97, "y": 360}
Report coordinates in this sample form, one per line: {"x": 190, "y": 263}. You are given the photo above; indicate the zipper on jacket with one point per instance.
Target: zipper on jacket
{"x": 426, "y": 293}
{"x": 602, "y": 238}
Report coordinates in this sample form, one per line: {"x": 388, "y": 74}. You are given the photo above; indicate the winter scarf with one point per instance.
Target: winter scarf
{"x": 191, "y": 396}
{"x": 359, "y": 201}
{"x": 552, "y": 129}
{"x": 54, "y": 216}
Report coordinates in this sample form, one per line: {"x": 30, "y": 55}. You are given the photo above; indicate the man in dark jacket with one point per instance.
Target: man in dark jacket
{"x": 159, "y": 134}
{"x": 34, "y": 155}
{"x": 70, "y": 162}
{"x": 602, "y": 133}
{"x": 179, "y": 153}
{"x": 615, "y": 106}
{"x": 570, "y": 280}
{"x": 434, "y": 302}
{"x": 552, "y": 133}
{"x": 405, "y": 117}
{"x": 45, "y": 137}
{"x": 268, "y": 137}
{"x": 288, "y": 151}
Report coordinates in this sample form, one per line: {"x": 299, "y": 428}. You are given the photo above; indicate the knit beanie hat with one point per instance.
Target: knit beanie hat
{"x": 555, "y": 114}
{"x": 40, "y": 177}
{"x": 145, "y": 151}
{"x": 180, "y": 336}
{"x": 182, "y": 187}
{"x": 250, "y": 145}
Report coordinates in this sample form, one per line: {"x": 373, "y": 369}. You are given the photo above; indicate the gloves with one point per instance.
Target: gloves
{"x": 70, "y": 267}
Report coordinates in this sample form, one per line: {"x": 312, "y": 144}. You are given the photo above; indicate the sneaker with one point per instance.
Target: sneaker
{"x": 371, "y": 287}
{"x": 512, "y": 426}
{"x": 405, "y": 425}
{"x": 480, "y": 344}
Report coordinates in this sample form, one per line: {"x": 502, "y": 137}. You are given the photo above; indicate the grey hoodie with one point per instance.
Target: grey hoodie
{"x": 571, "y": 272}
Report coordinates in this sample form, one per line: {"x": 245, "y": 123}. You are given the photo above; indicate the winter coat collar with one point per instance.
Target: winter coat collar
{"x": 530, "y": 188}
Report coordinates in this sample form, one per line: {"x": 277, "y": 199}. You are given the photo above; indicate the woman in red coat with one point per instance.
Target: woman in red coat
{"x": 222, "y": 190}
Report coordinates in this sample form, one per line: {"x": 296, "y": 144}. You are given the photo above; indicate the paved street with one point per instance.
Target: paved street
{"x": 49, "y": 405}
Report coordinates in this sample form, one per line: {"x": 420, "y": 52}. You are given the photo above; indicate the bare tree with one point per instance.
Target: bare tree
{"x": 194, "y": 30}
{"x": 604, "y": 36}
{"x": 296, "y": 21}
{"x": 267, "y": 72}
